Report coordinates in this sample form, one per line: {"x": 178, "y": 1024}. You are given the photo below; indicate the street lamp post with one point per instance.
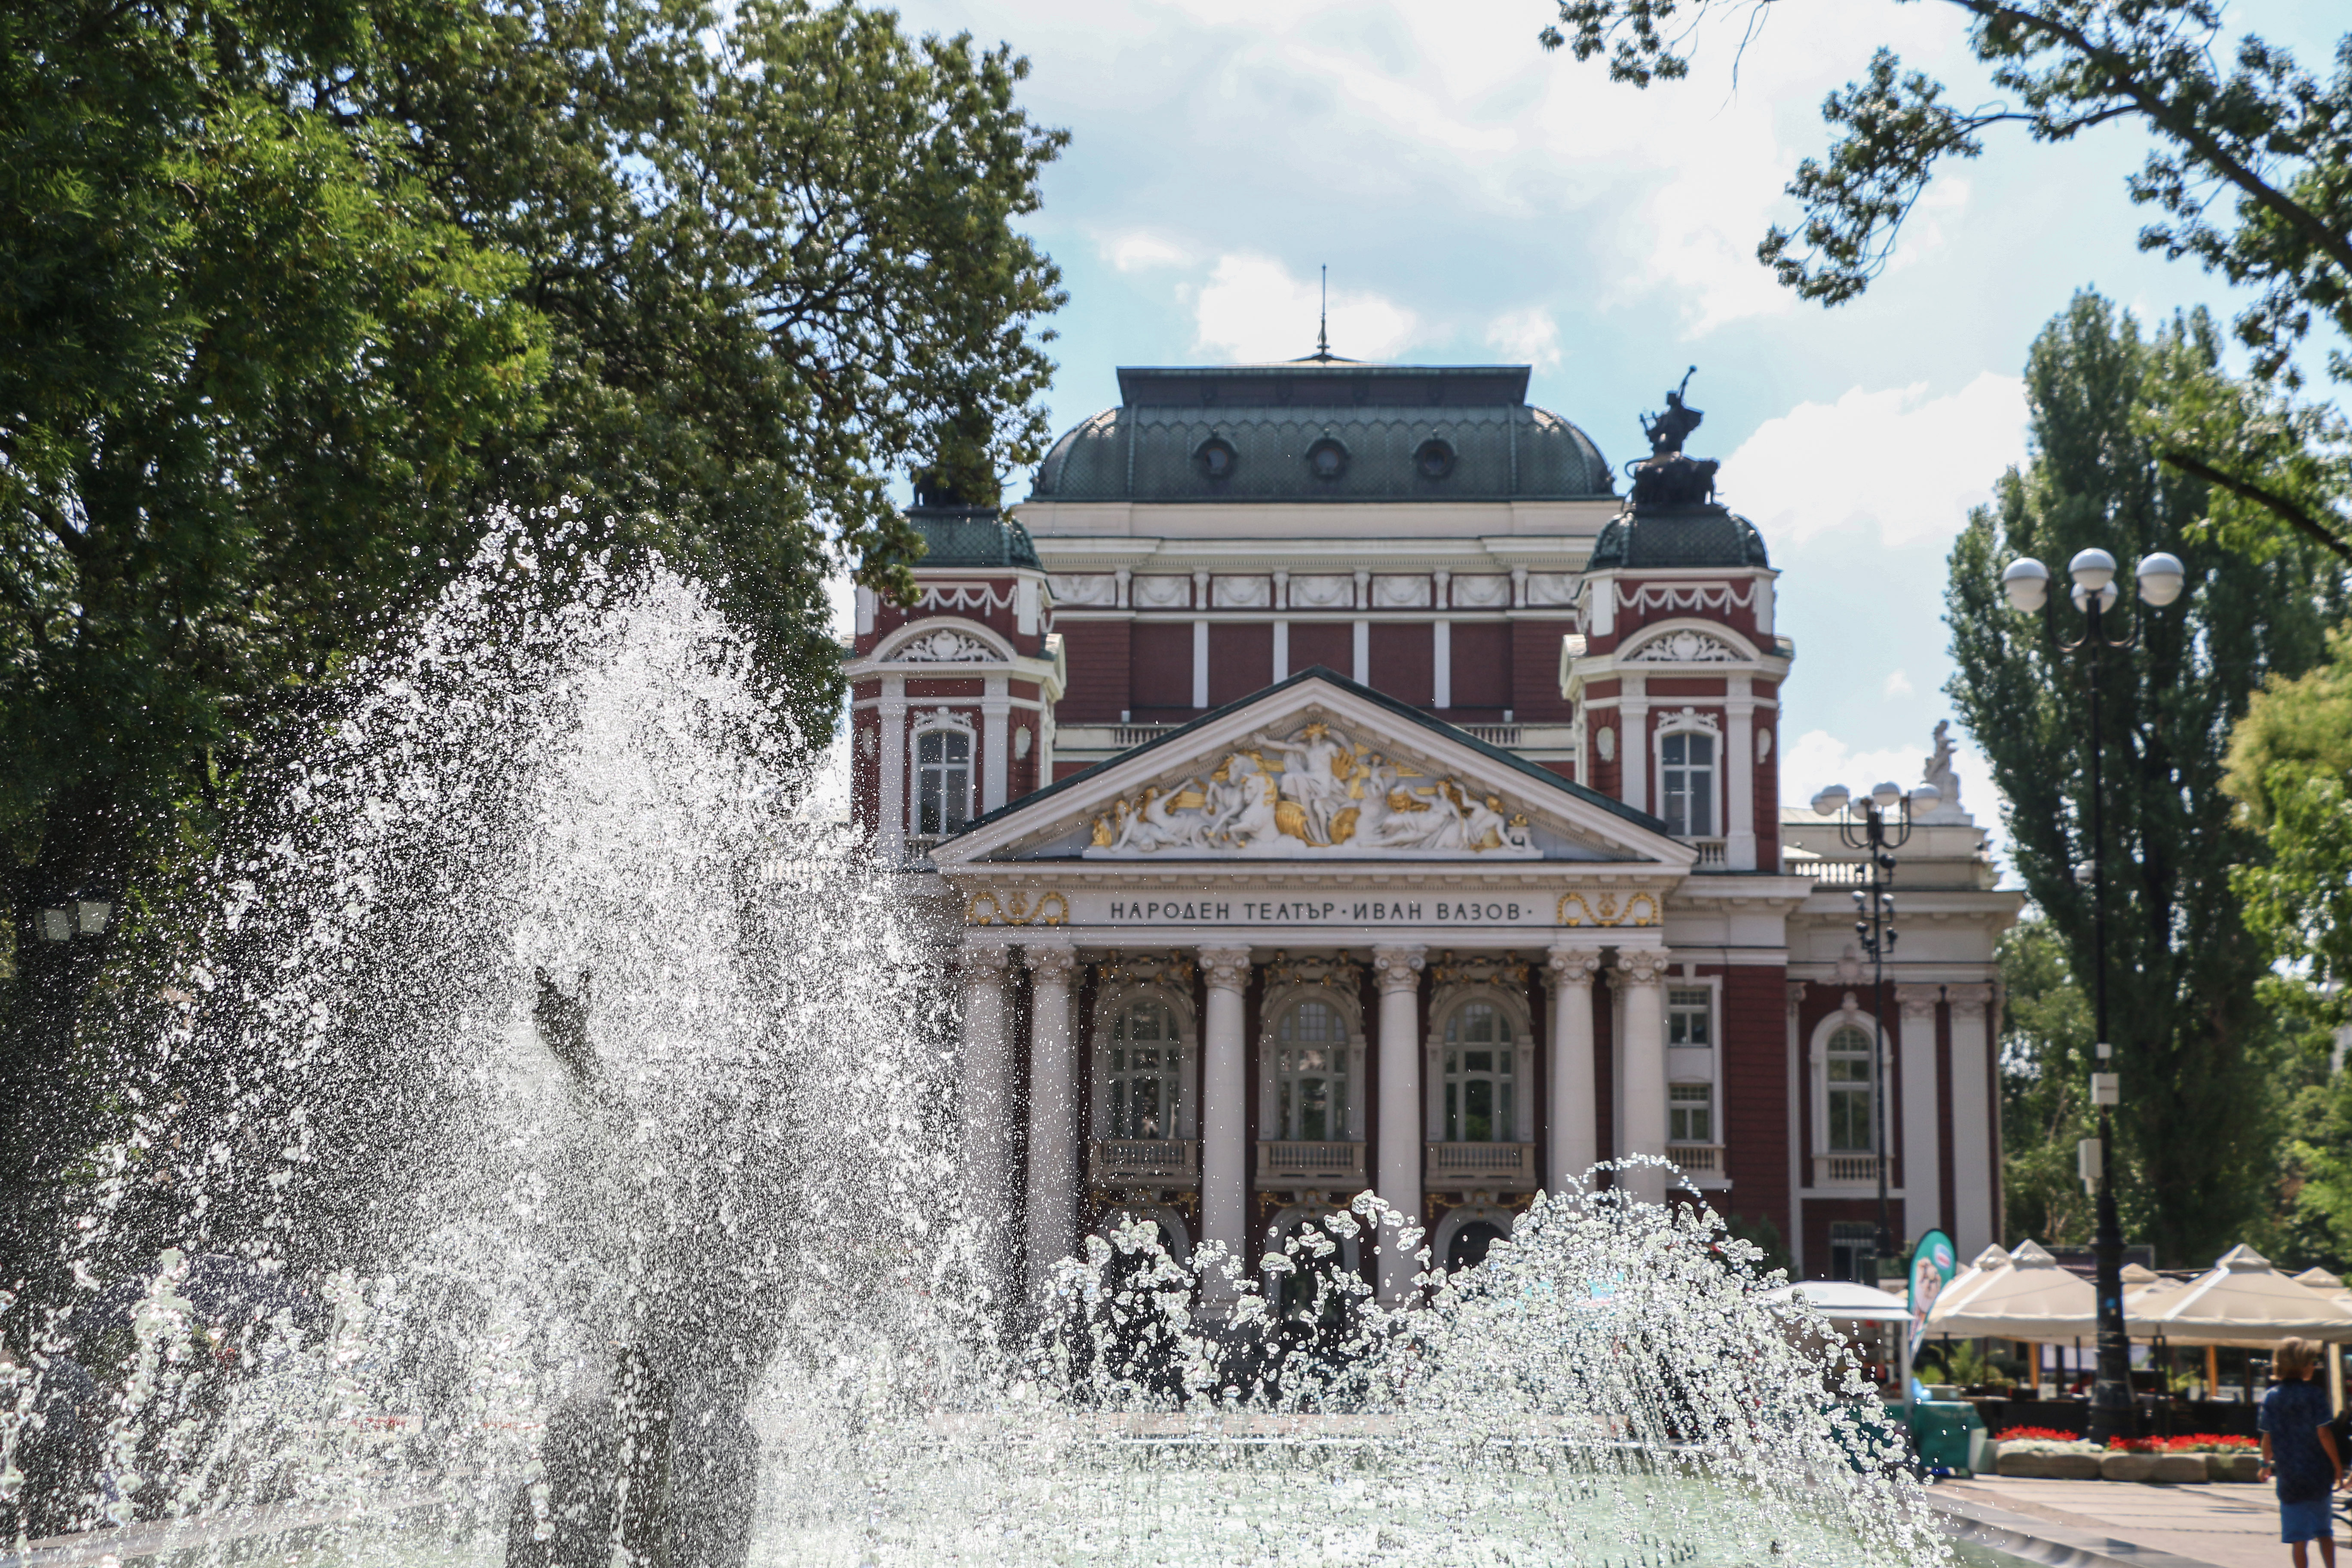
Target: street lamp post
{"x": 2027, "y": 582}
{"x": 1879, "y": 825}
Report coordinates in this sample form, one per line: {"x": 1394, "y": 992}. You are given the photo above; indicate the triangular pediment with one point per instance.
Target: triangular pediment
{"x": 1316, "y": 769}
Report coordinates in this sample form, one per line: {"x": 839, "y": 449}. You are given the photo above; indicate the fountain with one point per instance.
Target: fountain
{"x": 546, "y": 1140}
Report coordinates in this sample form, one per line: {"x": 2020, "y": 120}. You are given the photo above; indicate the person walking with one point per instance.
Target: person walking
{"x": 2299, "y": 1451}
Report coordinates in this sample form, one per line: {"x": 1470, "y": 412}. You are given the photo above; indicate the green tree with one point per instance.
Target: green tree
{"x": 2251, "y": 172}
{"x": 293, "y": 298}
{"x": 2045, "y": 1065}
{"x": 2291, "y": 772}
{"x": 2193, "y": 1042}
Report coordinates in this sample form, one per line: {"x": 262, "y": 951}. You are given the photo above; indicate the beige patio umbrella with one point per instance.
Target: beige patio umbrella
{"x": 1980, "y": 1270}
{"x": 2319, "y": 1280}
{"x": 2031, "y": 1298}
{"x": 2242, "y": 1301}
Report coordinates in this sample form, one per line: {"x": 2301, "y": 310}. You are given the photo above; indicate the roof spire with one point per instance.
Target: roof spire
{"x": 1323, "y": 325}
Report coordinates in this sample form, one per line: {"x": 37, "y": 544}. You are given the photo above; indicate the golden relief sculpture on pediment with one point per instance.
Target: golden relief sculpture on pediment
{"x": 1316, "y": 791}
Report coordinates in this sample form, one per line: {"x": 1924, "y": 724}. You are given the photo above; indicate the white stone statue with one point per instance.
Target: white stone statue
{"x": 1317, "y": 767}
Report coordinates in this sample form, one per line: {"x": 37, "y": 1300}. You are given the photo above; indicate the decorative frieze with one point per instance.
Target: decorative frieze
{"x": 1578, "y": 907}
{"x": 1010, "y": 907}
{"x": 1480, "y": 969}
{"x": 1337, "y": 970}
{"x": 1685, "y": 647}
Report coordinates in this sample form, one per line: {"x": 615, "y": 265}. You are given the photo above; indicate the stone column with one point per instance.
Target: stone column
{"x": 995, "y": 743}
{"x": 1800, "y": 1176}
{"x": 890, "y": 810}
{"x": 1053, "y": 1112}
{"x": 1633, "y": 742}
{"x": 1224, "y": 1107}
{"x": 987, "y": 1081}
{"x": 1740, "y": 776}
{"x": 1575, "y": 1120}
{"x": 1975, "y": 1139}
{"x": 1396, "y": 1176}
{"x": 1641, "y": 978}
{"x": 1922, "y": 1143}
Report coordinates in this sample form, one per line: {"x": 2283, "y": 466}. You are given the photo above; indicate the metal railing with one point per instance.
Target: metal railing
{"x": 1846, "y": 1169}
{"x": 1282, "y": 1162}
{"x": 1166, "y": 1161}
{"x": 1479, "y": 1164}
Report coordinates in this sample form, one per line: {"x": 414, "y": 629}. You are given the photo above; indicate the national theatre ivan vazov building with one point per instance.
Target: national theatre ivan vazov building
{"x": 1339, "y": 784}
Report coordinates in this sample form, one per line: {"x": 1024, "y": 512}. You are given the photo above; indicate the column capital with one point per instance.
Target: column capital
{"x": 1397, "y": 968}
{"x": 986, "y": 963}
{"x": 1796, "y": 996}
{"x": 1969, "y": 1001}
{"x": 1645, "y": 967}
{"x": 1574, "y": 966}
{"x": 1051, "y": 963}
{"x": 1226, "y": 968}
{"x": 1917, "y": 1001}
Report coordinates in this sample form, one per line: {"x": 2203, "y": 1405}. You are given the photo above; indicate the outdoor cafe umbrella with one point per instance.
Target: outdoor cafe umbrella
{"x": 2033, "y": 1298}
{"x": 2242, "y": 1301}
{"x": 1981, "y": 1269}
{"x": 1844, "y": 1302}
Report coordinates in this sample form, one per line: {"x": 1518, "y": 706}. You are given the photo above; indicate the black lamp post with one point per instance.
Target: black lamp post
{"x": 1880, "y": 825}
{"x": 2027, "y": 582}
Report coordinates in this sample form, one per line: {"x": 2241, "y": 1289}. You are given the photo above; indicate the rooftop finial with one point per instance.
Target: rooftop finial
{"x": 1323, "y": 325}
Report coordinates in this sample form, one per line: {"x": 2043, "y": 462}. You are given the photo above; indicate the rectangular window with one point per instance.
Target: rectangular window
{"x": 1690, "y": 1017}
{"x": 942, "y": 781}
{"x": 1687, "y": 791}
{"x": 1852, "y": 1245}
{"x": 1690, "y": 1113}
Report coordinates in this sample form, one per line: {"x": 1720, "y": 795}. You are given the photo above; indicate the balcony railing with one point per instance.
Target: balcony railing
{"x": 1710, "y": 853}
{"x": 1700, "y": 1164}
{"x": 1154, "y": 1162}
{"x": 1479, "y": 1165}
{"x": 1285, "y": 1163}
{"x": 1137, "y": 734}
{"x": 1846, "y": 1169}
{"x": 1841, "y": 871}
{"x": 1496, "y": 734}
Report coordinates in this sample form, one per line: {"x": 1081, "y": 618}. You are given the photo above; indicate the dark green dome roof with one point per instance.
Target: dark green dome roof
{"x": 972, "y": 536}
{"x": 1707, "y": 535}
{"x": 1324, "y": 430}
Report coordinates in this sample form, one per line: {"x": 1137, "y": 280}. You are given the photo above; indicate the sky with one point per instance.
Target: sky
{"x": 1478, "y": 200}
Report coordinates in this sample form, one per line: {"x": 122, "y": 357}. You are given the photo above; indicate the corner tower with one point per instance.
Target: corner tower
{"x": 1675, "y": 678}
{"x": 951, "y": 698}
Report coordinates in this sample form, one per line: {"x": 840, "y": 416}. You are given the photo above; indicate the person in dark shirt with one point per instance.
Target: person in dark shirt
{"x": 2299, "y": 1451}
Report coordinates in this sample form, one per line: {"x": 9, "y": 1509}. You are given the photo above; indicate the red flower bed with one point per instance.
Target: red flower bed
{"x": 2193, "y": 1443}
{"x": 2035, "y": 1435}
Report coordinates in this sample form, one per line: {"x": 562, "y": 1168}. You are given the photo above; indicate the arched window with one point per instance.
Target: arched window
{"x": 1849, "y": 1059}
{"x": 1310, "y": 1074}
{"x": 1139, "y": 1066}
{"x": 1686, "y": 785}
{"x": 1481, "y": 1106}
{"x": 942, "y": 781}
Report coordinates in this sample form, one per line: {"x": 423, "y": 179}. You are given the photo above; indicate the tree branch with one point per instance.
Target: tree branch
{"x": 2269, "y": 500}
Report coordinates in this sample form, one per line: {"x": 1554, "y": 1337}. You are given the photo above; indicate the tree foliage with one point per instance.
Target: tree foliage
{"x": 2291, "y": 772}
{"x": 294, "y": 299}
{"x": 2191, "y": 1037}
{"x": 2250, "y": 175}
{"x": 2045, "y": 1066}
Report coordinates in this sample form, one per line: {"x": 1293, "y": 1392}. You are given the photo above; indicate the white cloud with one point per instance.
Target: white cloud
{"x": 1135, "y": 250}
{"x": 1897, "y": 684}
{"x": 1253, "y": 309}
{"x": 1817, "y": 759}
{"x": 1528, "y": 336}
{"x": 1907, "y": 464}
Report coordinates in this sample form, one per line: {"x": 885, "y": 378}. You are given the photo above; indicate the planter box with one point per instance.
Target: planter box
{"x": 2179, "y": 1469}
{"x": 2246, "y": 1467}
{"x": 2049, "y": 1467}
{"x": 2126, "y": 1466}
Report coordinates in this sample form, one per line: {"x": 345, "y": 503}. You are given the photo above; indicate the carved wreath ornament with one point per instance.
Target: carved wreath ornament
{"x": 1316, "y": 789}
{"x": 945, "y": 648}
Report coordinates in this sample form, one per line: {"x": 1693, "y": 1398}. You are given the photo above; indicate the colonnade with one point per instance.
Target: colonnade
{"x": 1056, "y": 1120}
